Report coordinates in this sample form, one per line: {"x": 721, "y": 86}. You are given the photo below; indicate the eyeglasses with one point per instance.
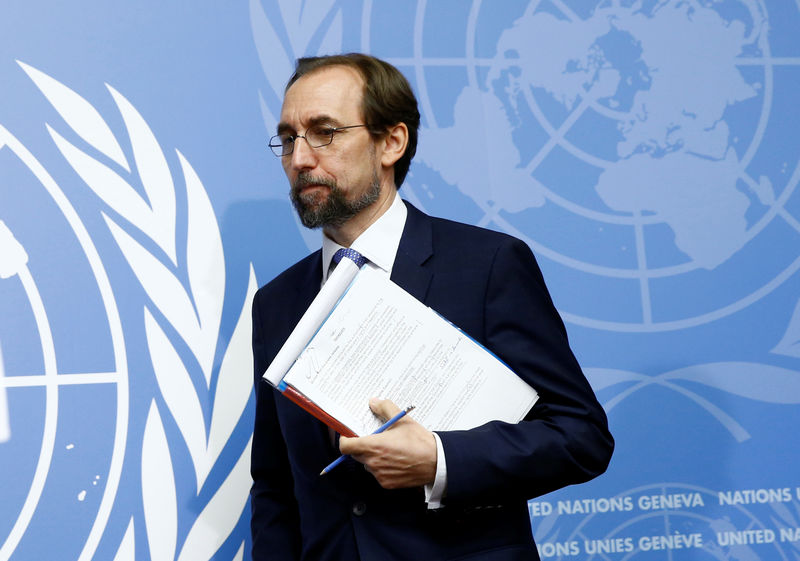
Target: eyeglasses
{"x": 316, "y": 137}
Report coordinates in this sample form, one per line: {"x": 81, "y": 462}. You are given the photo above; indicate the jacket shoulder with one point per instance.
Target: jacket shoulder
{"x": 457, "y": 236}
{"x": 469, "y": 233}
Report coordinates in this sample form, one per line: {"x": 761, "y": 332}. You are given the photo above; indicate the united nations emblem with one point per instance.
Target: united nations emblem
{"x": 65, "y": 373}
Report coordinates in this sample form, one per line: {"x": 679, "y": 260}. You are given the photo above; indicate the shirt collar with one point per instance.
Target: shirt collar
{"x": 378, "y": 243}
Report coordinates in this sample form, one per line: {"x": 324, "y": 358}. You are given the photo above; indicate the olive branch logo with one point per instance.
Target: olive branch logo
{"x": 186, "y": 295}
{"x": 755, "y": 381}
{"x": 786, "y": 518}
{"x": 789, "y": 345}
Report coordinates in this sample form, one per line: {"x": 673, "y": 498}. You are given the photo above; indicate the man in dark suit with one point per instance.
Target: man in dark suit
{"x": 346, "y": 137}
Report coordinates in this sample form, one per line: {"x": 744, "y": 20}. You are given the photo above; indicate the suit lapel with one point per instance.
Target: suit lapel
{"x": 300, "y": 290}
{"x": 308, "y": 288}
{"x": 416, "y": 247}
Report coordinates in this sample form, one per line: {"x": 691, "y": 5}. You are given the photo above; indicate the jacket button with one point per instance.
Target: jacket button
{"x": 359, "y": 508}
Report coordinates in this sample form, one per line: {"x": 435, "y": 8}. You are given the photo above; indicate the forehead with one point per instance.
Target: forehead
{"x": 333, "y": 92}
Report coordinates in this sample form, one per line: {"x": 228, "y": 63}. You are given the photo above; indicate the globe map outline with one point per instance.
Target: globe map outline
{"x": 644, "y": 274}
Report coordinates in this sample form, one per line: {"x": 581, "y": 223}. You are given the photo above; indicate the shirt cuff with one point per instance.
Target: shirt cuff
{"x": 435, "y": 493}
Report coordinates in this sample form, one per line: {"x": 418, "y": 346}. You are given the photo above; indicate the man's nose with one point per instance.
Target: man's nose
{"x": 303, "y": 155}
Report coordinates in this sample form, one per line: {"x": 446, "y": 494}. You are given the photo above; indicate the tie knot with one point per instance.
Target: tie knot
{"x": 351, "y": 254}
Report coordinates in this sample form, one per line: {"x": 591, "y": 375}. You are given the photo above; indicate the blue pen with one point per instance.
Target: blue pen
{"x": 382, "y": 428}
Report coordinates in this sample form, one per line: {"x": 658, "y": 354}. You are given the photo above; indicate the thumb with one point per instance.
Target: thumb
{"x": 383, "y": 408}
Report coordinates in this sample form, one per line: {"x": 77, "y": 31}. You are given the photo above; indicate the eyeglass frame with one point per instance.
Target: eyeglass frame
{"x": 333, "y": 131}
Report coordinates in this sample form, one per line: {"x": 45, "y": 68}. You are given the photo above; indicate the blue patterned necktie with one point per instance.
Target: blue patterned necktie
{"x": 351, "y": 254}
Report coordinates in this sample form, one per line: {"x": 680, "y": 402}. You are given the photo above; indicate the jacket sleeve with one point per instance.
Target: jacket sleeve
{"x": 275, "y": 524}
{"x": 564, "y": 439}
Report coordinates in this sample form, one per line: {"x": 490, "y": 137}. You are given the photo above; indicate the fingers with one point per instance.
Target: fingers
{"x": 403, "y": 456}
{"x": 383, "y": 408}
{"x": 350, "y": 446}
{"x": 358, "y": 445}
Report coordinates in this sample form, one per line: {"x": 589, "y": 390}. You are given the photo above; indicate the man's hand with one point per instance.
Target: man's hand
{"x": 402, "y": 456}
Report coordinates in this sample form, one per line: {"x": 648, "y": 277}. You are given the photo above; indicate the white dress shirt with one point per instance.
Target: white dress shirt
{"x": 379, "y": 244}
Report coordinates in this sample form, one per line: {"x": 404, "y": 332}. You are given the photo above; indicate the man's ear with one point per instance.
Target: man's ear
{"x": 394, "y": 144}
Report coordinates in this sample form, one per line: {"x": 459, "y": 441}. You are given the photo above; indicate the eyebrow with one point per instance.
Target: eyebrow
{"x": 284, "y": 127}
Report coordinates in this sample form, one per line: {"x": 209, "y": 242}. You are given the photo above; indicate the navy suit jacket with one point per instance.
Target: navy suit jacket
{"x": 489, "y": 285}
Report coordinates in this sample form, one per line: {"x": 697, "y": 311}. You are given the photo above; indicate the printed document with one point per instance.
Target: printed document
{"x": 379, "y": 341}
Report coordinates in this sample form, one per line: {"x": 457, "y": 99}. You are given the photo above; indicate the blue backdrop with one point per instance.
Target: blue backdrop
{"x": 646, "y": 150}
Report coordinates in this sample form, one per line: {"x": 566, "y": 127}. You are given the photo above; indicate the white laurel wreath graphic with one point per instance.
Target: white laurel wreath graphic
{"x": 784, "y": 519}
{"x": 789, "y": 344}
{"x": 194, "y": 312}
{"x": 755, "y": 381}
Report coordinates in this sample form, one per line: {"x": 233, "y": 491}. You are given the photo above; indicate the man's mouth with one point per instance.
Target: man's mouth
{"x": 305, "y": 182}
{"x": 311, "y": 191}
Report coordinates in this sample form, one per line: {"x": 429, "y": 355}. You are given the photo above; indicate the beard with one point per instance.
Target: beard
{"x": 317, "y": 210}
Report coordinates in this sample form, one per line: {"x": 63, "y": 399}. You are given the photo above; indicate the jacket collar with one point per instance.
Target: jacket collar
{"x": 409, "y": 269}
{"x": 307, "y": 284}
{"x": 416, "y": 248}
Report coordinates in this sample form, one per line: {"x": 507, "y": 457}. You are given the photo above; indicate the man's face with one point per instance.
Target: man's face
{"x": 333, "y": 183}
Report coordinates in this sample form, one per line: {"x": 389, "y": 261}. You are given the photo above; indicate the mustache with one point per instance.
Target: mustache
{"x": 306, "y": 179}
